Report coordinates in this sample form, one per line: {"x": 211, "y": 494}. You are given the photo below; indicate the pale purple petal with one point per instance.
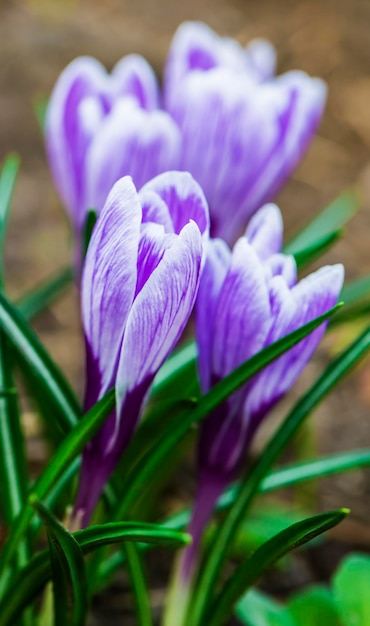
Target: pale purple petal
{"x": 109, "y": 278}
{"x": 310, "y": 298}
{"x": 155, "y": 209}
{"x": 242, "y": 317}
{"x": 77, "y": 105}
{"x": 133, "y": 76}
{"x": 282, "y": 265}
{"x": 261, "y": 57}
{"x": 265, "y": 231}
{"x": 241, "y": 140}
{"x": 197, "y": 48}
{"x": 130, "y": 141}
{"x": 154, "y": 242}
{"x": 184, "y": 198}
{"x": 159, "y": 313}
{"x": 214, "y": 272}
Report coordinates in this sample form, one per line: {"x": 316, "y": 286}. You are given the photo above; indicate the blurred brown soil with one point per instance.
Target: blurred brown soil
{"x": 326, "y": 38}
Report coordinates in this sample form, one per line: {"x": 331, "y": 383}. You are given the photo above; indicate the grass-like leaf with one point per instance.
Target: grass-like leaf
{"x": 33, "y": 302}
{"x": 71, "y": 447}
{"x": 356, "y": 296}
{"x": 336, "y": 370}
{"x": 47, "y": 377}
{"x": 13, "y": 464}
{"x": 30, "y": 581}
{"x": 70, "y": 591}
{"x": 8, "y": 177}
{"x": 251, "y": 569}
{"x": 325, "y": 227}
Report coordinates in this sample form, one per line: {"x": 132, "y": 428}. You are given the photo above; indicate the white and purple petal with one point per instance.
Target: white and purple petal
{"x": 130, "y": 141}
{"x": 133, "y": 76}
{"x": 78, "y": 103}
{"x": 265, "y": 231}
{"x": 109, "y": 278}
{"x": 242, "y": 317}
{"x": 218, "y": 257}
{"x": 184, "y": 198}
{"x": 293, "y": 308}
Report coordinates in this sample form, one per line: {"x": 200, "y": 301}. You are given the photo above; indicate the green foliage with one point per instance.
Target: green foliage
{"x": 175, "y": 407}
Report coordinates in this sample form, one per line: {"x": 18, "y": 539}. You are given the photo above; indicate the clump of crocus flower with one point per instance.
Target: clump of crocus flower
{"x": 223, "y": 116}
{"x": 249, "y": 298}
{"x": 139, "y": 285}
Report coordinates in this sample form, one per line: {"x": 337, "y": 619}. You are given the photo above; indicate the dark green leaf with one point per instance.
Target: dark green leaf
{"x": 326, "y": 225}
{"x": 251, "y": 569}
{"x": 23, "y": 589}
{"x": 90, "y": 222}
{"x": 336, "y": 370}
{"x": 68, "y": 570}
{"x": 356, "y": 296}
{"x": 52, "y": 385}
{"x": 322, "y": 244}
{"x": 13, "y": 464}
{"x": 351, "y": 586}
{"x": 41, "y": 297}
{"x": 135, "y": 570}
{"x": 71, "y": 447}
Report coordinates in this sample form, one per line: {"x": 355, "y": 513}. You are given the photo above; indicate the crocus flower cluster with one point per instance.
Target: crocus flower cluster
{"x": 248, "y": 298}
{"x": 139, "y": 284}
{"x": 223, "y": 117}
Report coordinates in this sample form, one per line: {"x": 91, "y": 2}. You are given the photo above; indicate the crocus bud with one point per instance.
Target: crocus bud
{"x": 243, "y": 131}
{"x": 249, "y": 298}
{"x": 138, "y": 288}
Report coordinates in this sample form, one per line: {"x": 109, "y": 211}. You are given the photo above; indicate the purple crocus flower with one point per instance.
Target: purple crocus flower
{"x": 243, "y": 130}
{"x": 139, "y": 284}
{"x": 100, "y": 127}
{"x": 248, "y": 298}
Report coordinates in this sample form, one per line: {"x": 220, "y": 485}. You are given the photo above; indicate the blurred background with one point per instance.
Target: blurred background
{"x": 329, "y": 39}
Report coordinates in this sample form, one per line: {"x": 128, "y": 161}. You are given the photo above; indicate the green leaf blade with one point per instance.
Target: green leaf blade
{"x": 68, "y": 571}
{"x": 64, "y": 406}
{"x": 250, "y": 570}
{"x": 69, "y": 449}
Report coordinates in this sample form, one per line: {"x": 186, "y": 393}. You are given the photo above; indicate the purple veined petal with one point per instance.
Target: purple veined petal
{"x": 218, "y": 256}
{"x": 310, "y": 298}
{"x": 292, "y": 106}
{"x": 242, "y": 317}
{"x": 154, "y": 241}
{"x": 184, "y": 198}
{"x": 282, "y": 265}
{"x": 158, "y": 317}
{"x": 133, "y": 76}
{"x": 265, "y": 231}
{"x": 109, "y": 277}
{"x": 155, "y": 209}
{"x": 197, "y": 48}
{"x": 130, "y": 141}
{"x": 220, "y": 119}
{"x": 77, "y": 105}
{"x": 261, "y": 56}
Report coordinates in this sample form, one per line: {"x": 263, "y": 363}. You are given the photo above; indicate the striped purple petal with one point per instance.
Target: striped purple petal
{"x": 130, "y": 141}
{"x": 109, "y": 281}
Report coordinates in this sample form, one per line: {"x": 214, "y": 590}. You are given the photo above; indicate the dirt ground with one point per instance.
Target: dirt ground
{"x": 326, "y": 38}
